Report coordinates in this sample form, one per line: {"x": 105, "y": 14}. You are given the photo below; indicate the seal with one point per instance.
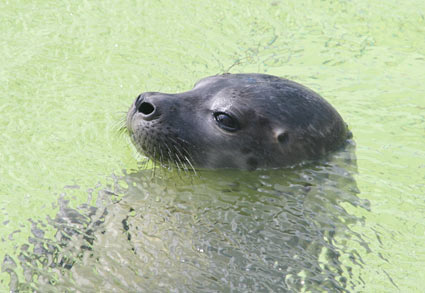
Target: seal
{"x": 243, "y": 121}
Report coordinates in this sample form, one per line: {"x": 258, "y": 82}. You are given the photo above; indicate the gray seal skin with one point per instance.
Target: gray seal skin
{"x": 243, "y": 121}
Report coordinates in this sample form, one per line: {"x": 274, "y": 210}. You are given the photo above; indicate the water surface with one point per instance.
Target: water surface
{"x": 70, "y": 70}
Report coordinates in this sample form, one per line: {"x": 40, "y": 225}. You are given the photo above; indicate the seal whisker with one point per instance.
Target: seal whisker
{"x": 177, "y": 155}
{"x": 190, "y": 164}
{"x": 170, "y": 158}
{"x": 181, "y": 166}
{"x": 143, "y": 160}
{"x": 147, "y": 163}
{"x": 182, "y": 153}
{"x": 183, "y": 145}
{"x": 144, "y": 164}
{"x": 154, "y": 162}
{"x": 180, "y": 158}
{"x": 182, "y": 163}
{"x": 162, "y": 159}
{"x": 189, "y": 160}
{"x": 121, "y": 127}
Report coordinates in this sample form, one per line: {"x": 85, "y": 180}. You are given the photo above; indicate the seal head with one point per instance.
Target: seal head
{"x": 243, "y": 121}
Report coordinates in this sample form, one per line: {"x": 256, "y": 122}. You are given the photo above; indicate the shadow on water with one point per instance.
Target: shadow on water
{"x": 239, "y": 231}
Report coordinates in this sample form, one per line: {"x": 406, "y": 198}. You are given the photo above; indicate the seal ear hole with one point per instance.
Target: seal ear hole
{"x": 283, "y": 138}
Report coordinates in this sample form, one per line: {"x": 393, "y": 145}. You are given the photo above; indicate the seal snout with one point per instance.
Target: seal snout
{"x": 145, "y": 108}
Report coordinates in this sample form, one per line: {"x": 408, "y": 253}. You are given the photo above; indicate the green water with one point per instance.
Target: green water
{"x": 69, "y": 71}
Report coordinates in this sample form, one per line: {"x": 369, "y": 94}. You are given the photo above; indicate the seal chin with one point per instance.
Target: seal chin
{"x": 158, "y": 143}
{"x": 243, "y": 121}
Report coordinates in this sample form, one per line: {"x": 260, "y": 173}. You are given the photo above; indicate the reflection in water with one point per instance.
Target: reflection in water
{"x": 218, "y": 231}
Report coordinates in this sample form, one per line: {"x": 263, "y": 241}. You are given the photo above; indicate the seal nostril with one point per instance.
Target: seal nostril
{"x": 146, "y": 108}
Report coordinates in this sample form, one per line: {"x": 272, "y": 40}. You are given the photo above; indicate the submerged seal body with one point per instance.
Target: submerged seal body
{"x": 243, "y": 121}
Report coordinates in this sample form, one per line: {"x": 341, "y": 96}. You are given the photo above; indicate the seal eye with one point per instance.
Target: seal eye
{"x": 226, "y": 121}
